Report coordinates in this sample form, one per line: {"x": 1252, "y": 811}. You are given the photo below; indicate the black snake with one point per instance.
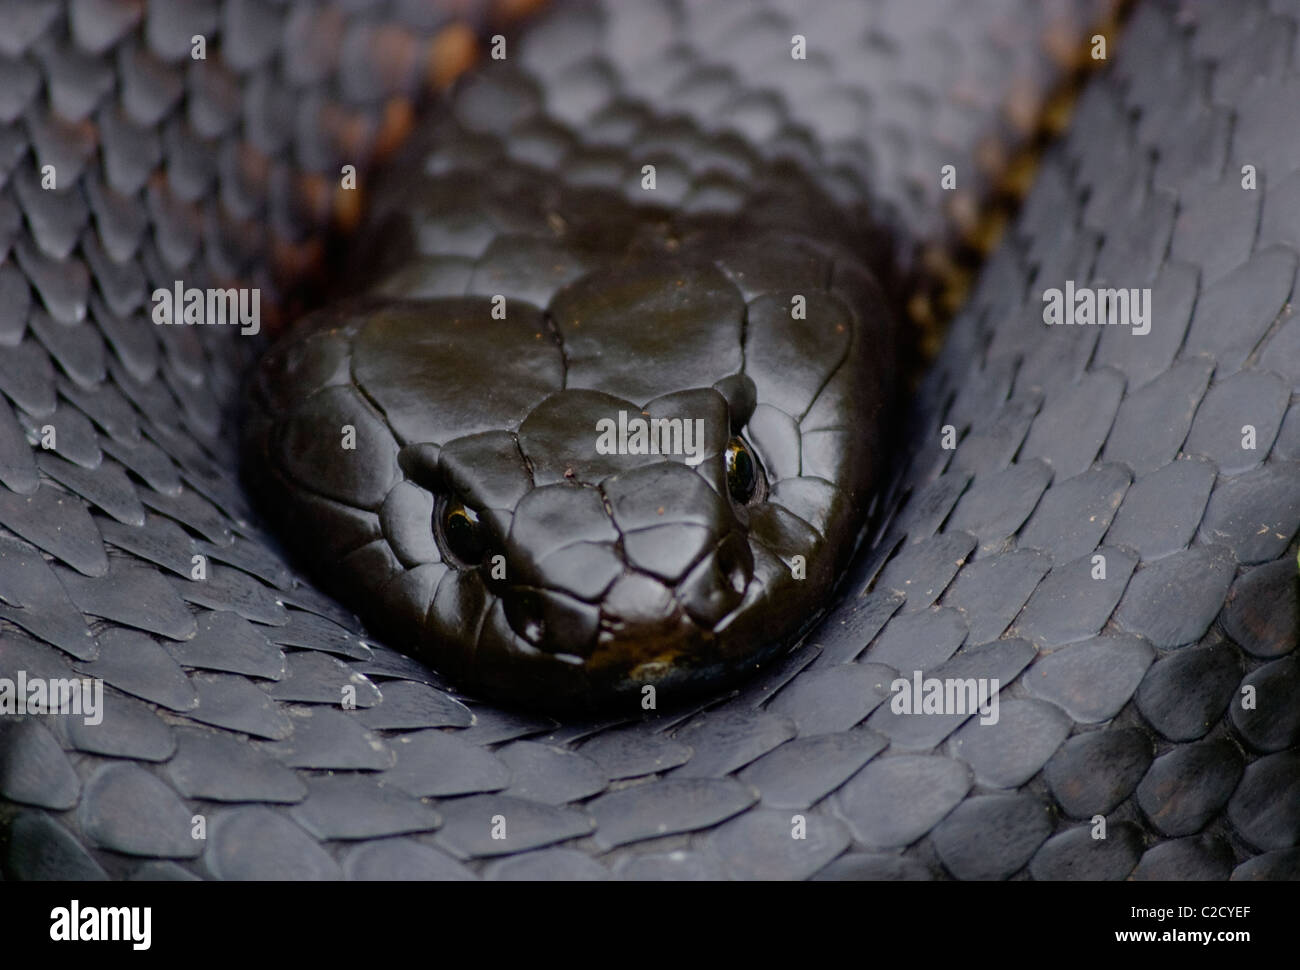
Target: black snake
{"x": 1097, "y": 520}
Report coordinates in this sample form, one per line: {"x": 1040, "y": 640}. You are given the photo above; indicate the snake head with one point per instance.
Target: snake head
{"x": 652, "y": 483}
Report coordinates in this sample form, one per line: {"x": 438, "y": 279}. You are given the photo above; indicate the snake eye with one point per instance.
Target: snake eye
{"x": 462, "y": 533}
{"x": 742, "y": 471}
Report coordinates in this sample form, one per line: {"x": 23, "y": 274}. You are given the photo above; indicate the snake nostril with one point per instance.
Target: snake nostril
{"x": 551, "y": 620}
{"x": 732, "y": 567}
{"x": 526, "y": 614}
{"x": 717, "y": 583}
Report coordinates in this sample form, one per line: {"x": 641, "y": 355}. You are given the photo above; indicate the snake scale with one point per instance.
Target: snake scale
{"x": 1100, "y": 520}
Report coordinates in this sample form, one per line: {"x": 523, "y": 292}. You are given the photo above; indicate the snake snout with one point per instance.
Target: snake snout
{"x": 642, "y": 566}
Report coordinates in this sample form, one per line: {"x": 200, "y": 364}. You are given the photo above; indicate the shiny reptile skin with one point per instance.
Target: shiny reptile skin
{"x": 727, "y": 296}
{"x": 1119, "y": 693}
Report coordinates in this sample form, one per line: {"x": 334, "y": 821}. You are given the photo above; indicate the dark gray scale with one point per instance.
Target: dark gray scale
{"x": 918, "y": 640}
{"x": 992, "y": 836}
{"x": 1185, "y": 693}
{"x": 161, "y": 870}
{"x": 1006, "y": 754}
{"x": 36, "y": 601}
{"x": 666, "y": 807}
{"x": 1272, "y": 721}
{"x": 1257, "y": 513}
{"x": 802, "y": 771}
{"x": 833, "y": 699}
{"x": 407, "y": 706}
{"x": 129, "y": 729}
{"x": 994, "y": 507}
{"x": 463, "y": 769}
{"x": 255, "y": 842}
{"x": 1163, "y": 508}
{"x": 248, "y": 557}
{"x": 1249, "y": 299}
{"x": 923, "y": 570}
{"x": 159, "y": 540}
{"x": 994, "y": 440}
{"x": 127, "y": 809}
{"x": 192, "y": 510}
{"x": 1091, "y": 681}
{"x": 77, "y": 347}
{"x": 1076, "y": 855}
{"x": 133, "y": 596}
{"x": 726, "y": 741}
{"x": 315, "y": 632}
{"x": 1224, "y": 213}
{"x": 1094, "y": 772}
{"x": 1195, "y": 858}
{"x": 1000, "y": 661}
{"x": 675, "y": 866}
{"x": 468, "y": 825}
{"x": 318, "y": 678}
{"x": 230, "y": 644}
{"x": 1075, "y": 599}
{"x": 758, "y": 844}
{"x": 873, "y": 801}
{"x": 39, "y": 848}
{"x": 233, "y": 591}
{"x": 27, "y": 378}
{"x": 1283, "y": 866}
{"x": 994, "y": 588}
{"x": 1262, "y": 612}
{"x": 1238, "y": 420}
{"x": 329, "y": 739}
{"x": 137, "y": 664}
{"x": 1074, "y": 422}
{"x": 542, "y": 773}
{"x": 17, "y": 467}
{"x": 63, "y": 293}
{"x": 232, "y": 702}
{"x": 1187, "y": 787}
{"x": 633, "y": 754}
{"x": 1074, "y": 514}
{"x": 869, "y": 867}
{"x": 349, "y": 807}
{"x": 1195, "y": 579}
{"x": 49, "y": 519}
{"x": 1264, "y": 808}
{"x": 108, "y": 488}
{"x": 1153, "y": 421}
{"x": 217, "y": 767}
{"x": 147, "y": 461}
{"x": 857, "y": 625}
{"x": 402, "y": 859}
{"x": 73, "y": 435}
{"x": 493, "y": 725}
{"x": 566, "y": 865}
{"x": 35, "y": 770}
{"x": 1143, "y": 358}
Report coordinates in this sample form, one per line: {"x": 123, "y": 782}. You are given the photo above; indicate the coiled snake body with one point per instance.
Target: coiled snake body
{"x": 660, "y": 211}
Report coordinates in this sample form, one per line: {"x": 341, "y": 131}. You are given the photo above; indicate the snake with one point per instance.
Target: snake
{"x": 580, "y": 654}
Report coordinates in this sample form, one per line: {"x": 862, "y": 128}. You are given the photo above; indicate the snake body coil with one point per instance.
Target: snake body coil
{"x": 1098, "y": 522}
